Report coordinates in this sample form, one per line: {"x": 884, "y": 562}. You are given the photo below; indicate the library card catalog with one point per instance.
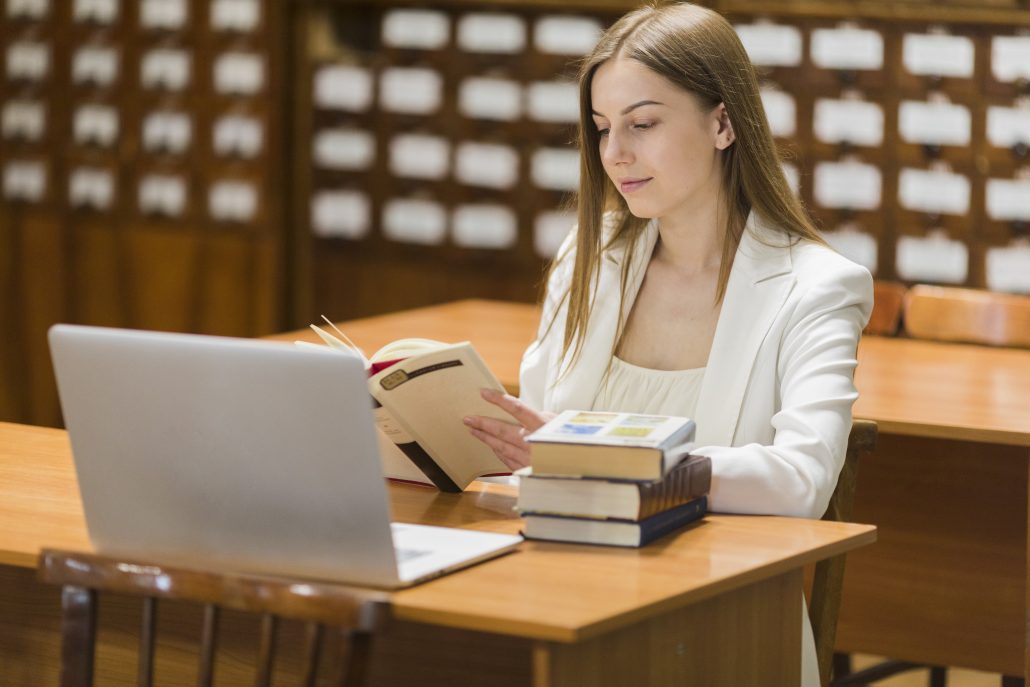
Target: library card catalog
{"x": 165, "y": 68}
{"x": 556, "y": 169}
{"x": 938, "y": 55}
{"x": 853, "y": 121}
{"x": 935, "y": 258}
{"x": 162, "y": 194}
{"x": 415, "y": 221}
{"x": 771, "y": 45}
{"x": 1008, "y": 199}
{"x": 492, "y": 33}
{"x": 847, "y": 48}
{"x": 853, "y": 185}
{"x": 27, "y": 9}
{"x": 235, "y": 15}
{"x": 232, "y": 201}
{"x": 24, "y": 180}
{"x": 550, "y": 230}
{"x": 91, "y": 187}
{"x": 95, "y": 124}
{"x": 934, "y": 192}
{"x": 420, "y": 156}
{"x": 490, "y": 98}
{"x": 1010, "y": 58}
{"x": 342, "y": 214}
{"x": 553, "y": 101}
{"x": 163, "y": 14}
{"x": 418, "y": 29}
{"x": 410, "y": 90}
{"x": 1007, "y": 126}
{"x": 97, "y": 11}
{"x": 24, "y": 119}
{"x": 95, "y": 65}
{"x": 557, "y": 35}
{"x": 939, "y": 123}
{"x": 781, "y": 111}
{"x": 343, "y": 87}
{"x": 855, "y": 245}
{"x": 484, "y": 226}
{"x": 239, "y": 72}
{"x": 237, "y": 135}
{"x": 486, "y": 164}
{"x": 1008, "y": 268}
{"x": 28, "y": 60}
{"x": 343, "y": 149}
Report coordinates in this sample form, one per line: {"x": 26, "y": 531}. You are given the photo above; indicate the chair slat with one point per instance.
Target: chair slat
{"x": 352, "y": 662}
{"x": 266, "y": 651}
{"x": 148, "y": 626}
{"x": 208, "y": 646}
{"x": 78, "y": 636}
{"x": 312, "y": 652}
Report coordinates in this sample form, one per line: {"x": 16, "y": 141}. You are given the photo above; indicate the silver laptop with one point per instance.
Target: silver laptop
{"x": 239, "y": 454}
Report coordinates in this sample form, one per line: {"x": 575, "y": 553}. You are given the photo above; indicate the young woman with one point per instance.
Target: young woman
{"x": 694, "y": 283}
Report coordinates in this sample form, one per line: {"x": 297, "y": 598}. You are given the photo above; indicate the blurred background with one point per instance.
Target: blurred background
{"x": 241, "y": 167}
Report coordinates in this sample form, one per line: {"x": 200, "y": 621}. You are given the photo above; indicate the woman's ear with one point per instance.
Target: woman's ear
{"x": 724, "y": 136}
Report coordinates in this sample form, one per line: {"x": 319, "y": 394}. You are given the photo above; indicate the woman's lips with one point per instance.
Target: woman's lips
{"x": 631, "y": 185}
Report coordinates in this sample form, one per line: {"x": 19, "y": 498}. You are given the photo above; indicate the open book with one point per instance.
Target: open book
{"x": 422, "y": 389}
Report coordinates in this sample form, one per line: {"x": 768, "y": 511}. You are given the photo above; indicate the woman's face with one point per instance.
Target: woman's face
{"x": 657, "y": 145}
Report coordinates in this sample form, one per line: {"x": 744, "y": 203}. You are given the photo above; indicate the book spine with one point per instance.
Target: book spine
{"x": 412, "y": 449}
{"x": 686, "y": 482}
{"x": 659, "y": 525}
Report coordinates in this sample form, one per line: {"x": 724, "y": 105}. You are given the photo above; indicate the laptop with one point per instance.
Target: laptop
{"x": 239, "y": 454}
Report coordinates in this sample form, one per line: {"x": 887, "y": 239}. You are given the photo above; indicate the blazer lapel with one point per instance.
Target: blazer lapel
{"x": 760, "y": 281}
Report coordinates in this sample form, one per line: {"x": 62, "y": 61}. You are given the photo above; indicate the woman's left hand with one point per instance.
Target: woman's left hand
{"x": 507, "y": 440}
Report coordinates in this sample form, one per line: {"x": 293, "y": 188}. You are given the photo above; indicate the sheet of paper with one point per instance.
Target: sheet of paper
{"x": 928, "y": 54}
{"x": 343, "y": 87}
{"x": 410, "y": 90}
{"x": 849, "y": 184}
{"x": 556, "y": 169}
{"x": 91, "y": 187}
{"x": 232, "y": 201}
{"x": 771, "y": 45}
{"x": 934, "y": 192}
{"x": 95, "y": 65}
{"x": 27, "y": 9}
{"x": 343, "y": 149}
{"x": 854, "y": 244}
{"x": 566, "y": 35}
{"x": 492, "y": 165}
{"x": 163, "y": 194}
{"x": 166, "y": 68}
{"x": 235, "y": 15}
{"x": 95, "y": 125}
{"x": 340, "y": 214}
{"x": 1008, "y": 199}
{"x": 549, "y": 230}
{"x": 490, "y": 98}
{"x": 237, "y": 135}
{"x": 934, "y": 258}
{"x": 781, "y": 111}
{"x": 412, "y": 220}
{"x": 847, "y": 48}
{"x": 25, "y": 119}
{"x": 167, "y": 131}
{"x": 553, "y": 101}
{"x": 1010, "y": 58}
{"x": 96, "y": 11}
{"x": 24, "y": 180}
{"x": 419, "y": 29}
{"x": 854, "y": 121}
{"x": 169, "y": 15}
{"x": 1007, "y": 126}
{"x": 239, "y": 72}
{"x": 1008, "y": 268}
{"x": 484, "y": 226}
{"x": 492, "y": 33}
{"x": 935, "y": 123}
{"x": 420, "y": 156}
{"x": 28, "y": 60}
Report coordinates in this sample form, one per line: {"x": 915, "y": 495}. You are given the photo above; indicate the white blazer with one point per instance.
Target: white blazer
{"x": 774, "y": 410}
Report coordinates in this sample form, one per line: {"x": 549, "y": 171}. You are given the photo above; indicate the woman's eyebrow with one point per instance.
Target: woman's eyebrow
{"x": 630, "y": 108}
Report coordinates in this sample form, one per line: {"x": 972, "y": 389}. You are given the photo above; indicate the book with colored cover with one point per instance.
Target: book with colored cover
{"x": 627, "y": 533}
{"x": 611, "y": 445}
{"x": 421, "y": 390}
{"x": 594, "y": 497}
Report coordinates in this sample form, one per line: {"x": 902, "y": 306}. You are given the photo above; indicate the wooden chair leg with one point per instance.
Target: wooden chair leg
{"x": 266, "y": 651}
{"x": 78, "y": 636}
{"x": 148, "y": 625}
{"x": 312, "y": 651}
{"x": 354, "y": 651}
{"x": 208, "y": 646}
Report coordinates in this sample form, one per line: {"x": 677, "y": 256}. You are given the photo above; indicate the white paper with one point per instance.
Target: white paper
{"x": 781, "y": 111}
{"x": 98, "y": 11}
{"x": 27, "y": 9}
{"x": 549, "y": 230}
{"x": 938, "y": 55}
{"x": 1008, "y": 199}
{"x": 1010, "y": 58}
{"x": 847, "y": 48}
{"x": 95, "y": 125}
{"x": 418, "y": 29}
{"x": 489, "y": 98}
{"x": 558, "y": 35}
{"x": 343, "y": 87}
{"x": 237, "y": 135}
{"x": 232, "y": 201}
{"x": 933, "y": 192}
{"x": 556, "y": 169}
{"x": 1008, "y": 268}
{"x": 1007, "y": 126}
{"x": 167, "y": 131}
{"x": 343, "y": 149}
{"x": 793, "y": 177}
{"x": 414, "y": 221}
{"x": 855, "y": 121}
{"x": 486, "y": 164}
{"x": 163, "y": 194}
{"x": 25, "y": 119}
{"x": 935, "y": 123}
{"x": 410, "y": 90}
{"x": 162, "y": 14}
{"x": 420, "y": 156}
{"x": 853, "y": 244}
{"x": 935, "y": 258}
{"x": 91, "y": 187}
{"x": 24, "y": 180}
{"x": 492, "y": 33}
{"x": 95, "y": 65}
{"x": 240, "y": 73}
{"x": 553, "y": 101}
{"x": 771, "y": 45}
{"x": 28, "y": 60}
{"x": 852, "y": 185}
{"x": 484, "y": 226}
{"x": 165, "y": 68}
{"x": 235, "y": 15}
{"x": 340, "y": 214}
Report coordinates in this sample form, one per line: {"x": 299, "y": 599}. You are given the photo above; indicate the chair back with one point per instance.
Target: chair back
{"x": 353, "y": 614}
{"x": 886, "y": 315}
{"x": 828, "y": 580}
{"x": 943, "y": 313}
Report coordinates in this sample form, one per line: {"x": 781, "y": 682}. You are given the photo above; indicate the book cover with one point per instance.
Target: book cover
{"x": 624, "y": 533}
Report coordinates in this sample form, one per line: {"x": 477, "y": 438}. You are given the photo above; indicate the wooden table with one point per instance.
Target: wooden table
{"x": 717, "y": 603}
{"x": 947, "y": 582}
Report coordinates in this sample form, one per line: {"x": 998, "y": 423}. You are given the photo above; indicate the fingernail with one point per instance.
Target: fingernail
{"x": 487, "y": 393}
{"x": 467, "y": 420}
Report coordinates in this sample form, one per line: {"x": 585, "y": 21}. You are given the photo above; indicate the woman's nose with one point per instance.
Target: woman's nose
{"x": 615, "y": 151}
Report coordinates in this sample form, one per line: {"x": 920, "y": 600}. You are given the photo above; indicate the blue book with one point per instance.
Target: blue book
{"x": 613, "y": 532}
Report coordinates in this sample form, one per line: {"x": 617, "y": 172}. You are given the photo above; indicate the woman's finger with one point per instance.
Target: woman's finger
{"x": 509, "y": 454}
{"x": 506, "y": 431}
{"x": 526, "y": 416}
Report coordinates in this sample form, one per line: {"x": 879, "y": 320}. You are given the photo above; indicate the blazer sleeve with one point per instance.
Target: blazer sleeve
{"x": 796, "y": 475}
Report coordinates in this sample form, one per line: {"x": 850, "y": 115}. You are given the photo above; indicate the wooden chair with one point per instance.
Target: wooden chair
{"x": 828, "y": 580}
{"x": 967, "y": 315}
{"x": 886, "y": 315}
{"x": 354, "y": 613}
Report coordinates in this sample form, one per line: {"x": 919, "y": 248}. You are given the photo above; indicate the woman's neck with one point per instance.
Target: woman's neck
{"x": 691, "y": 242}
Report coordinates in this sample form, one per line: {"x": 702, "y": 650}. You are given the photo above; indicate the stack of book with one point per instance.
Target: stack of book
{"x": 612, "y": 478}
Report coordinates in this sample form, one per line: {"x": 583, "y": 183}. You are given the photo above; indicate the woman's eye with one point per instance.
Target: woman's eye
{"x": 643, "y": 126}
{"x": 602, "y": 132}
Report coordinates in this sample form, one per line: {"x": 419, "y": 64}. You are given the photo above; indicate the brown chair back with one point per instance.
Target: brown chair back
{"x": 353, "y": 613}
{"x": 828, "y": 580}
{"x": 942, "y": 313}
{"x": 886, "y": 315}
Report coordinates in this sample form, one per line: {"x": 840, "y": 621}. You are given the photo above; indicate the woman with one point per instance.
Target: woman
{"x": 694, "y": 283}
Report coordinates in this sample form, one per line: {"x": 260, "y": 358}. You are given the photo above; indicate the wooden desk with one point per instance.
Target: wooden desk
{"x": 718, "y": 603}
{"x": 947, "y": 582}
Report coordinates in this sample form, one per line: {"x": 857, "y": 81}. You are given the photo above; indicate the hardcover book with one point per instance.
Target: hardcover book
{"x": 614, "y": 532}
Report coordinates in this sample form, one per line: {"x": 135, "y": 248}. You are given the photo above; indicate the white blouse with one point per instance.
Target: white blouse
{"x": 633, "y": 389}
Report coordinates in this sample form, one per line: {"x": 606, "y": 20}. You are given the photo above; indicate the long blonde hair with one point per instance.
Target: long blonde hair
{"x": 698, "y": 50}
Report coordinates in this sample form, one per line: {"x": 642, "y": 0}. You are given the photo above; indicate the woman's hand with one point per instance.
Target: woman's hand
{"x": 507, "y": 440}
